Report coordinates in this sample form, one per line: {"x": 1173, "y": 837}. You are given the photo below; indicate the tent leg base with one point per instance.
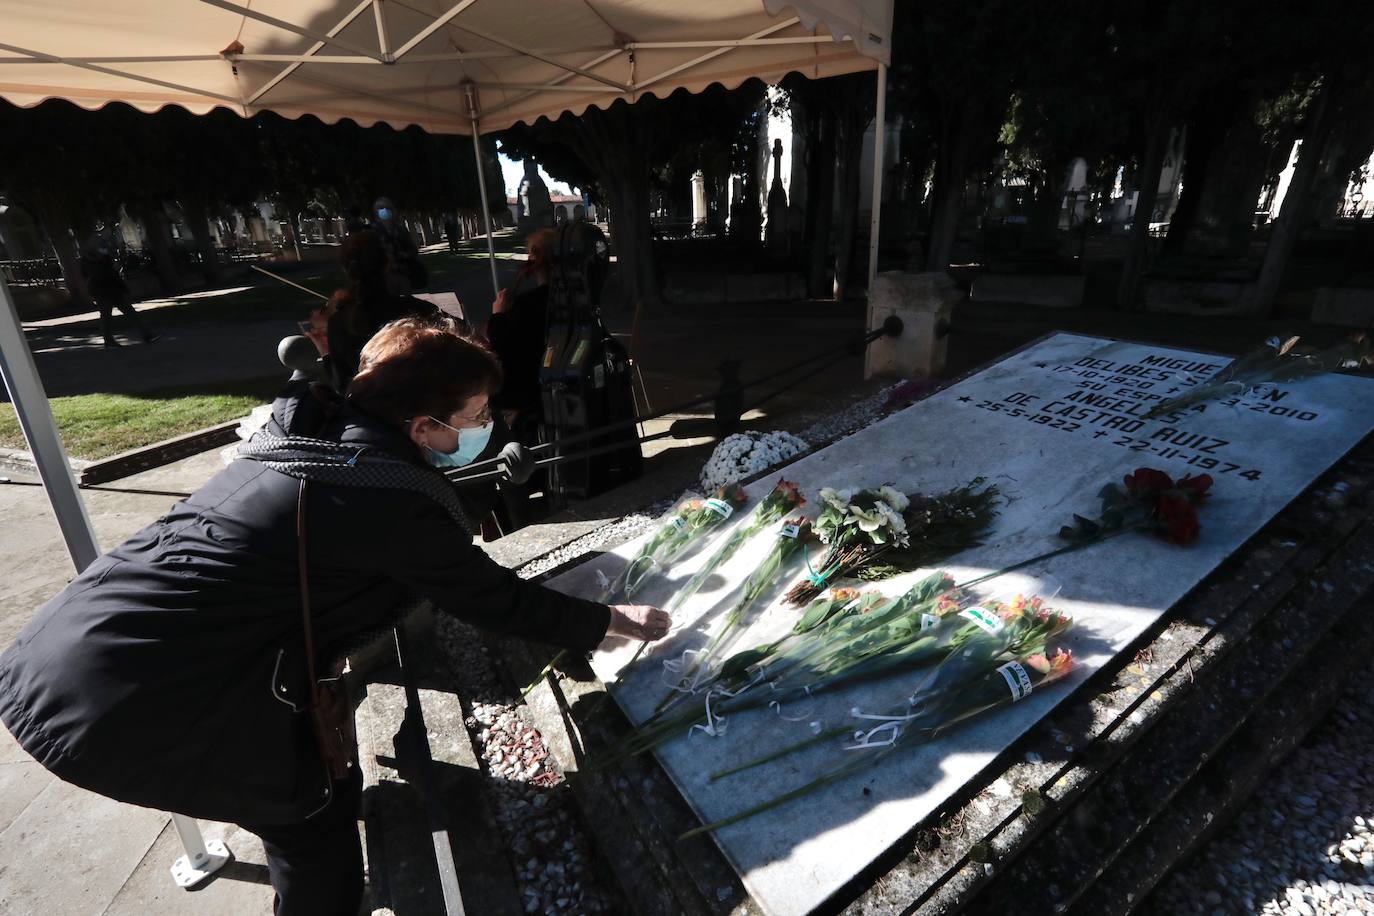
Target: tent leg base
{"x": 188, "y": 874}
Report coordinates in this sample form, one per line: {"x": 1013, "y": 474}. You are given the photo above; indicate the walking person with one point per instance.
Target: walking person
{"x": 107, "y": 289}
{"x": 186, "y": 669}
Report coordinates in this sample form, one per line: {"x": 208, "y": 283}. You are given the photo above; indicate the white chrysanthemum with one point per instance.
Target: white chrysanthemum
{"x": 894, "y": 518}
{"x": 745, "y": 454}
{"x": 868, "y": 520}
{"x": 894, "y": 497}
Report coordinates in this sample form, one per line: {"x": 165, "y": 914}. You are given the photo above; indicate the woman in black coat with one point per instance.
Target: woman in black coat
{"x": 172, "y": 673}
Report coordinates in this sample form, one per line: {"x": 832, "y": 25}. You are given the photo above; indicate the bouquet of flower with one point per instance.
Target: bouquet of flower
{"x": 1150, "y": 500}
{"x": 785, "y": 556}
{"x": 905, "y": 532}
{"x": 1274, "y": 362}
{"x": 689, "y": 526}
{"x": 851, "y": 637}
{"x": 937, "y": 527}
{"x": 781, "y": 500}
{"x": 745, "y": 454}
{"x": 919, "y": 720}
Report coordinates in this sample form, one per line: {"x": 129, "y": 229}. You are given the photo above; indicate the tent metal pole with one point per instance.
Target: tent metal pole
{"x": 879, "y": 142}
{"x": 40, "y": 431}
{"x": 482, "y": 184}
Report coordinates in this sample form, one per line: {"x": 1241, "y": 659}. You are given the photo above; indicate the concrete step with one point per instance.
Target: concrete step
{"x": 403, "y": 874}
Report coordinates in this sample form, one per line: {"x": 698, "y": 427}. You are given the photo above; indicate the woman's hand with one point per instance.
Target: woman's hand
{"x": 639, "y": 621}
{"x": 502, "y": 303}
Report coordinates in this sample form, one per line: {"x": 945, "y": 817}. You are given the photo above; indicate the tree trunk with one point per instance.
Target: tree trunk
{"x": 1351, "y": 147}
{"x": 1224, "y": 171}
{"x": 1042, "y": 226}
{"x": 821, "y": 207}
{"x": 61, "y": 237}
{"x": 1296, "y": 203}
{"x": 632, "y": 238}
{"x": 196, "y": 214}
{"x": 1137, "y": 251}
{"x": 851, "y": 150}
{"x": 1204, "y": 135}
{"x": 157, "y": 236}
{"x": 65, "y": 249}
{"x": 612, "y": 144}
{"x": 946, "y": 200}
{"x": 293, "y": 235}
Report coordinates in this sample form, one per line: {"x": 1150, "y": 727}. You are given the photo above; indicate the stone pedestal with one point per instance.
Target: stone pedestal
{"x": 924, "y": 302}
{"x": 775, "y": 233}
{"x": 535, "y": 208}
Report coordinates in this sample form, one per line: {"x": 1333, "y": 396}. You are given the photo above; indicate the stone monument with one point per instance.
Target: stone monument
{"x": 925, "y": 302}
{"x": 534, "y": 209}
{"x": 1049, "y": 424}
{"x": 775, "y": 233}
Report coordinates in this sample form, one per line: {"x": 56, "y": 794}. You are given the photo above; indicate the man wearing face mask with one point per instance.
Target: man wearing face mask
{"x": 174, "y": 671}
{"x": 404, "y": 272}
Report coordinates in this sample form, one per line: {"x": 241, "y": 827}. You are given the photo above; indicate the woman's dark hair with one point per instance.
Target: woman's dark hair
{"x": 422, "y": 368}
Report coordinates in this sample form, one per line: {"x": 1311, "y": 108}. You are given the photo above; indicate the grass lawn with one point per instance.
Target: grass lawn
{"x": 96, "y": 426}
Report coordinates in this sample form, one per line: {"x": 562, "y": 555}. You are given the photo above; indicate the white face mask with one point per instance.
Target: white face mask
{"x": 470, "y": 445}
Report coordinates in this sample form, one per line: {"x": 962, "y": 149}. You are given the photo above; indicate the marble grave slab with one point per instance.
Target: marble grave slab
{"x": 1049, "y": 425}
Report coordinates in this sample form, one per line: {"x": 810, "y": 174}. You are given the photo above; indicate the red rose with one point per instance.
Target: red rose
{"x": 1195, "y": 487}
{"x": 1147, "y": 481}
{"x": 1178, "y": 518}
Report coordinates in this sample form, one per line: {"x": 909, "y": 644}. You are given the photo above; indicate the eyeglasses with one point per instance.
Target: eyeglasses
{"x": 482, "y": 419}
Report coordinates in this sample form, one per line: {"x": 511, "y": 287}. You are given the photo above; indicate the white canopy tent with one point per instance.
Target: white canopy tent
{"x": 448, "y": 66}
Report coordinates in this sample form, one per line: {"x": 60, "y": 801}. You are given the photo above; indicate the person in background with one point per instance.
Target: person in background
{"x": 404, "y": 272}
{"x": 107, "y": 289}
{"x": 517, "y": 330}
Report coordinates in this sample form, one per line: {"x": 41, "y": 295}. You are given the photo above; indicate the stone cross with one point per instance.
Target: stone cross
{"x": 775, "y": 234}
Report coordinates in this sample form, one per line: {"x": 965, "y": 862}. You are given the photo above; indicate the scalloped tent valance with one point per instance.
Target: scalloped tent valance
{"x": 408, "y": 62}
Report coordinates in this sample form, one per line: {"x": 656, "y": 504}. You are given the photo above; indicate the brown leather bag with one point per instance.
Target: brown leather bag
{"x": 331, "y": 712}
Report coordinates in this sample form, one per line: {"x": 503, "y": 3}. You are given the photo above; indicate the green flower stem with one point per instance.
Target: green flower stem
{"x": 779, "y": 560}
{"x": 783, "y": 752}
{"x": 771, "y": 509}
{"x": 833, "y": 775}
{"x": 553, "y": 662}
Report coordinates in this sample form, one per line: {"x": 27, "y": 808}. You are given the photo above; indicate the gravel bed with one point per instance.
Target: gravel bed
{"x": 849, "y": 420}
{"x": 1304, "y": 843}
{"x": 555, "y": 863}
{"x": 605, "y": 537}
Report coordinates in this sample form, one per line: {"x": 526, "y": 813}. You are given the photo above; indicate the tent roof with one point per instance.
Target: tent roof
{"x": 406, "y": 62}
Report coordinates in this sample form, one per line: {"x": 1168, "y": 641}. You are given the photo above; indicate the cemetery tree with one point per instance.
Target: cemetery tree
{"x": 55, "y": 164}
{"x": 611, "y": 147}
{"x": 1239, "y": 125}
{"x": 1339, "y": 108}
{"x": 1165, "y": 59}
{"x": 300, "y": 155}
{"x": 1062, "y": 108}
{"x": 834, "y": 113}
{"x": 617, "y": 147}
{"x": 954, "y": 68}
{"x": 222, "y": 168}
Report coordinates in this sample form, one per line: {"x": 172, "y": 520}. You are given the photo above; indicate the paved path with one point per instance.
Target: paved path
{"x": 64, "y": 850}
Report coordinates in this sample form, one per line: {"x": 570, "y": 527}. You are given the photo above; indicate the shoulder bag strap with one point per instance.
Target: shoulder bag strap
{"x": 302, "y": 566}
